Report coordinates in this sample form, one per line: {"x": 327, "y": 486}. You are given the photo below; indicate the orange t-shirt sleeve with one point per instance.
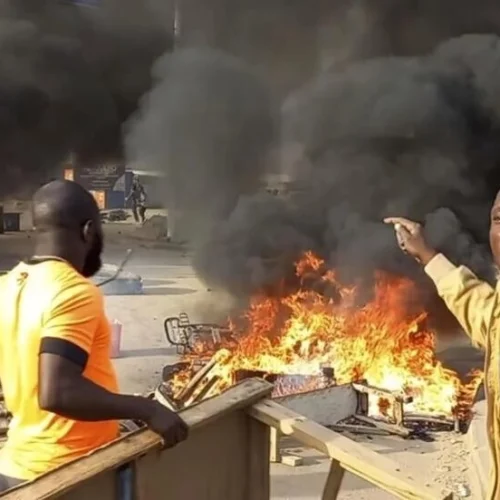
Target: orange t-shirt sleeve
{"x": 74, "y": 315}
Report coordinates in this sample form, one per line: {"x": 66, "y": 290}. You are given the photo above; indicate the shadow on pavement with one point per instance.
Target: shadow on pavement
{"x": 144, "y": 353}
{"x": 166, "y": 290}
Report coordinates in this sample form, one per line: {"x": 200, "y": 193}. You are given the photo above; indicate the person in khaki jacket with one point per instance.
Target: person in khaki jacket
{"x": 476, "y": 306}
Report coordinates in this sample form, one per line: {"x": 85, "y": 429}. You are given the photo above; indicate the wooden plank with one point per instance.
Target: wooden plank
{"x": 103, "y": 486}
{"x": 353, "y": 457}
{"x": 136, "y": 444}
{"x": 292, "y": 460}
{"x": 258, "y": 478}
{"x": 188, "y": 391}
{"x": 211, "y": 465}
{"x": 333, "y": 481}
{"x": 399, "y": 413}
{"x": 274, "y": 451}
{"x": 381, "y": 393}
{"x": 363, "y": 404}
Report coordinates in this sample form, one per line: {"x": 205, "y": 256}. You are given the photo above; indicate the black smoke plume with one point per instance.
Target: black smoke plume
{"x": 70, "y": 76}
{"x": 209, "y": 125}
{"x": 410, "y": 136}
{"x": 407, "y": 125}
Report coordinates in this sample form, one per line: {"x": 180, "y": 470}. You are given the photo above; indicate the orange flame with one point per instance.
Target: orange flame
{"x": 378, "y": 342}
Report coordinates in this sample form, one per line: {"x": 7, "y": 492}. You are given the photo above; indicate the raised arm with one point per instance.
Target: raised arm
{"x": 472, "y": 301}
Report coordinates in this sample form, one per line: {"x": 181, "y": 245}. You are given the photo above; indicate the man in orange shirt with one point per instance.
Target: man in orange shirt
{"x": 55, "y": 368}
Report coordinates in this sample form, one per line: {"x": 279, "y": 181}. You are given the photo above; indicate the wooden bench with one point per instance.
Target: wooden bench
{"x": 226, "y": 457}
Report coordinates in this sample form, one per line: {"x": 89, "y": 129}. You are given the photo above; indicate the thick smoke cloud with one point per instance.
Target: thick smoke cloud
{"x": 405, "y": 123}
{"x": 69, "y": 77}
{"x": 406, "y": 136}
{"x": 209, "y": 125}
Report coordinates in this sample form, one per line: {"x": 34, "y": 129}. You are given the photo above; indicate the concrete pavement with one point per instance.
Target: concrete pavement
{"x": 477, "y": 444}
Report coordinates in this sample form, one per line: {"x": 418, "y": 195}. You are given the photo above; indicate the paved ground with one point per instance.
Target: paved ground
{"x": 442, "y": 464}
{"x": 477, "y": 444}
{"x": 170, "y": 287}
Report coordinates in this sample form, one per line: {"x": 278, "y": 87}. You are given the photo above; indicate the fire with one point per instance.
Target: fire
{"x": 379, "y": 341}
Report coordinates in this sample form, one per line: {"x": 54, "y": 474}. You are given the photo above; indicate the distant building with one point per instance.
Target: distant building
{"x": 110, "y": 182}
{"x": 106, "y": 181}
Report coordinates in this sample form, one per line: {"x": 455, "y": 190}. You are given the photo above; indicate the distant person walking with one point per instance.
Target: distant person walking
{"x": 139, "y": 198}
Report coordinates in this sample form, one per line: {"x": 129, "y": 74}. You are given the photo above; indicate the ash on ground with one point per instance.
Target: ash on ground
{"x": 444, "y": 463}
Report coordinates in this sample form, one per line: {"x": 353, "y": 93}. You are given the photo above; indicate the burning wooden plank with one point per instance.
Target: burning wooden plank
{"x": 396, "y": 402}
{"x": 206, "y": 386}
{"x": 219, "y": 357}
{"x": 400, "y": 418}
{"x": 364, "y": 388}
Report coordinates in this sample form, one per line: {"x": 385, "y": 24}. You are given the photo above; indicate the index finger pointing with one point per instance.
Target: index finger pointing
{"x": 408, "y": 224}
{"x": 399, "y": 220}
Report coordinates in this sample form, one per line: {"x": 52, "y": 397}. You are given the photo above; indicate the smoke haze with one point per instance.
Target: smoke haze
{"x": 208, "y": 124}
{"x": 402, "y": 119}
{"x": 69, "y": 77}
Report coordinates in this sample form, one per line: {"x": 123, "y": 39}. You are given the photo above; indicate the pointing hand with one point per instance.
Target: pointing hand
{"x": 411, "y": 239}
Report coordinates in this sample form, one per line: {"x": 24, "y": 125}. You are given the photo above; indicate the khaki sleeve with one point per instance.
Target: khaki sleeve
{"x": 470, "y": 300}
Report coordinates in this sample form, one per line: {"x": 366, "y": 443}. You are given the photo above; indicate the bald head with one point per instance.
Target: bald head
{"x": 67, "y": 223}
{"x": 63, "y": 205}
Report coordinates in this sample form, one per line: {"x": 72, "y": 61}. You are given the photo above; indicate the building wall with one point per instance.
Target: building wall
{"x": 21, "y": 207}
{"x": 106, "y": 199}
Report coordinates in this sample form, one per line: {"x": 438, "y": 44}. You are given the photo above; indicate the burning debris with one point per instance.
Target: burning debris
{"x": 306, "y": 341}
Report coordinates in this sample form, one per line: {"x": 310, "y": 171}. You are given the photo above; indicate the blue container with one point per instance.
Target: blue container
{"x": 115, "y": 200}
